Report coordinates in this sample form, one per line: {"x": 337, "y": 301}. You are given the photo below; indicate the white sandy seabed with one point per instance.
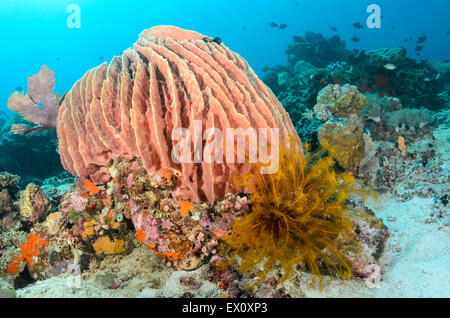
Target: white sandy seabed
{"x": 415, "y": 260}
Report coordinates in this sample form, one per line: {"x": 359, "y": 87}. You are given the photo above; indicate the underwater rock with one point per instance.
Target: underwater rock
{"x": 384, "y": 56}
{"x": 377, "y": 106}
{"x": 107, "y": 280}
{"x": 338, "y": 101}
{"x": 284, "y": 79}
{"x": 442, "y": 69}
{"x": 408, "y": 118}
{"x": 9, "y": 182}
{"x": 9, "y": 193}
{"x": 5, "y": 202}
{"x": 370, "y": 162}
{"x": 444, "y": 96}
{"x": 345, "y": 140}
{"x": 304, "y": 68}
{"x": 421, "y": 173}
{"x": 6, "y": 290}
{"x": 34, "y": 204}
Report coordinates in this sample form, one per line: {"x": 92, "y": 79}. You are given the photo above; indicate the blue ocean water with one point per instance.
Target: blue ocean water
{"x": 34, "y": 33}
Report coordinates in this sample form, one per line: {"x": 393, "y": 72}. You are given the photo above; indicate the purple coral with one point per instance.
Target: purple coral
{"x": 39, "y": 106}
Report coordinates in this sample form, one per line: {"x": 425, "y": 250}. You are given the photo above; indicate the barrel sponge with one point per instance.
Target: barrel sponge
{"x": 168, "y": 79}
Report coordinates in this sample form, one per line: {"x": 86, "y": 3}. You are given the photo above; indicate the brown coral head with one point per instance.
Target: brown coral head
{"x": 170, "y": 79}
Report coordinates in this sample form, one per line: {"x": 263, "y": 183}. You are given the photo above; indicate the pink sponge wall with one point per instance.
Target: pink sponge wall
{"x": 169, "y": 78}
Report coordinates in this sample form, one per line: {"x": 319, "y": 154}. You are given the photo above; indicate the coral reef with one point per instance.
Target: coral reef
{"x": 415, "y": 84}
{"x": 317, "y": 50}
{"x": 136, "y": 224}
{"x": 170, "y": 79}
{"x": 414, "y": 171}
{"x": 33, "y": 158}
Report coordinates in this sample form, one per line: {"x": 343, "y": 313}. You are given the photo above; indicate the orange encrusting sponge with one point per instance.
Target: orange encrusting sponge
{"x": 29, "y": 250}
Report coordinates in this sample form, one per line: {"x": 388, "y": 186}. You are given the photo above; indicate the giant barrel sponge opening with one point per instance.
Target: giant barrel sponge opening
{"x": 170, "y": 78}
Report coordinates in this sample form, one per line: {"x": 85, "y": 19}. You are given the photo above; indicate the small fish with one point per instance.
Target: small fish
{"x": 392, "y": 27}
{"x": 355, "y": 39}
{"x": 334, "y": 29}
{"x": 58, "y": 59}
{"x": 273, "y": 25}
{"x": 357, "y": 25}
{"x": 215, "y": 40}
{"x": 243, "y": 28}
{"x": 408, "y": 39}
{"x": 101, "y": 57}
{"x": 448, "y": 32}
{"x": 19, "y": 88}
{"x": 282, "y": 26}
{"x": 389, "y": 66}
{"x": 422, "y": 38}
{"x": 418, "y": 48}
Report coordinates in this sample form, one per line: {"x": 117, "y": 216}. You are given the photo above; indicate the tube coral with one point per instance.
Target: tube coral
{"x": 298, "y": 216}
